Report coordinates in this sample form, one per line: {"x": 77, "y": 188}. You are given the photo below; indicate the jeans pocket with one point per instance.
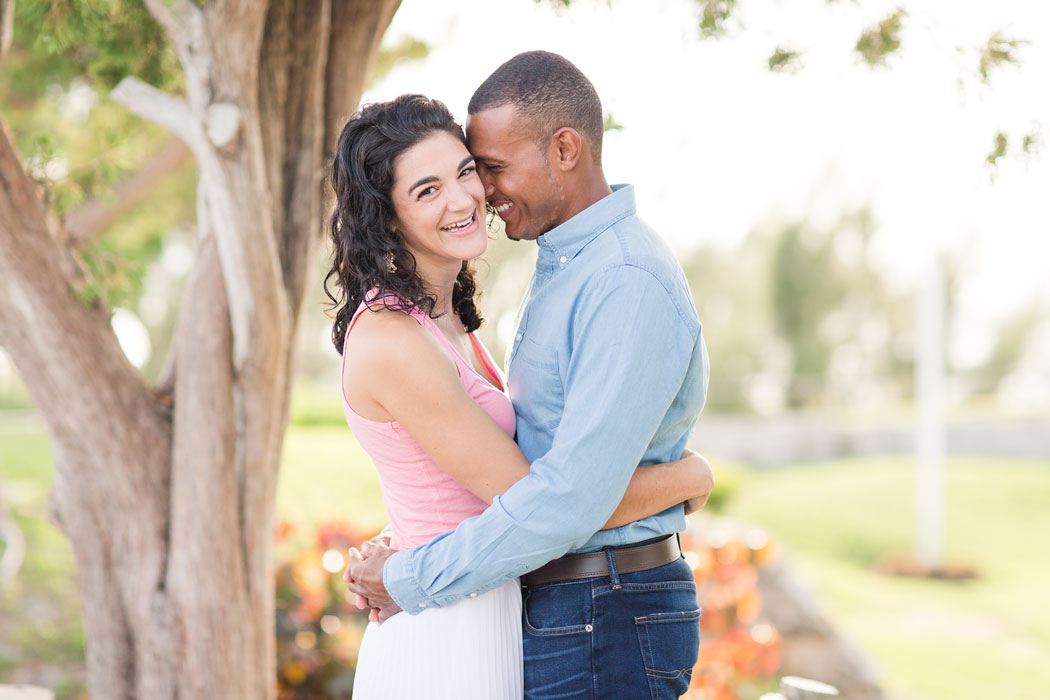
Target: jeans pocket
{"x": 549, "y": 612}
{"x": 670, "y": 644}
{"x": 556, "y": 641}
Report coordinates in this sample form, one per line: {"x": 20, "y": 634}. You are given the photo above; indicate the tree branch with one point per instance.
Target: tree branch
{"x": 94, "y": 216}
{"x": 171, "y": 19}
{"x": 168, "y": 112}
{"x": 7, "y": 25}
{"x": 184, "y": 25}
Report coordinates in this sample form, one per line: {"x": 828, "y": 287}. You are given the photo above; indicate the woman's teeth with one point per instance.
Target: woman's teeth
{"x": 460, "y": 225}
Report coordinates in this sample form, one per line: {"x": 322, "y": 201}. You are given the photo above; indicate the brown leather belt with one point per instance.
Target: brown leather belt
{"x": 591, "y": 564}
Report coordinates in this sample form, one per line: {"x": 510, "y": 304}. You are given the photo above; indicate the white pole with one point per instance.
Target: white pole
{"x": 930, "y": 431}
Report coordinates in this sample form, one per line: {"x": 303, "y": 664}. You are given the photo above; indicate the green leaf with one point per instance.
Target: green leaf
{"x": 107, "y": 39}
{"x": 784, "y": 61}
{"x": 875, "y": 44}
{"x": 408, "y": 50}
{"x": 611, "y": 124}
{"x": 998, "y": 51}
{"x": 713, "y": 17}
{"x": 1031, "y": 143}
{"x": 999, "y": 149}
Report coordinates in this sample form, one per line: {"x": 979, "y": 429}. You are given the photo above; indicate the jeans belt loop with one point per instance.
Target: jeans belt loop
{"x": 613, "y": 573}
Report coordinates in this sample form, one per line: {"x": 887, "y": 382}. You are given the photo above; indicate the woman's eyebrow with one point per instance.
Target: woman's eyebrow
{"x": 425, "y": 180}
{"x": 434, "y": 178}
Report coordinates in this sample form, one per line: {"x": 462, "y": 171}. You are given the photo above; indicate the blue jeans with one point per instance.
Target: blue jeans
{"x": 620, "y": 637}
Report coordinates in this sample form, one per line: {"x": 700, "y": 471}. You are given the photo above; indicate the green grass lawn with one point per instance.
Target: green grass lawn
{"x": 969, "y": 640}
{"x": 41, "y": 632}
{"x": 326, "y": 475}
{"x": 987, "y": 639}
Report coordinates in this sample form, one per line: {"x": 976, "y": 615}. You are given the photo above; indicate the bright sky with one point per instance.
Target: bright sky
{"x": 717, "y": 145}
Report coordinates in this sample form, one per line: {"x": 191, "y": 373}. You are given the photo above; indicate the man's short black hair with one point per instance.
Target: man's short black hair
{"x": 549, "y": 92}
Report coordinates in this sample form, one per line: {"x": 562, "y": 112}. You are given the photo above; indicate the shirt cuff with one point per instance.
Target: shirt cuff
{"x": 401, "y": 583}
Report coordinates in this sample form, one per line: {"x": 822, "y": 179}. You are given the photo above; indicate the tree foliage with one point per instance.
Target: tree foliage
{"x": 784, "y": 61}
{"x": 1011, "y": 342}
{"x": 714, "y": 16}
{"x": 79, "y": 144}
{"x": 878, "y": 42}
{"x": 805, "y": 317}
{"x": 1000, "y": 50}
{"x": 104, "y": 40}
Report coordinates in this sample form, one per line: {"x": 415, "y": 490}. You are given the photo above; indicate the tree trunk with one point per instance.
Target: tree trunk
{"x": 169, "y": 501}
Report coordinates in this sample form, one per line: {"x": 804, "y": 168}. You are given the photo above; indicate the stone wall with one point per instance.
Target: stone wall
{"x": 801, "y": 437}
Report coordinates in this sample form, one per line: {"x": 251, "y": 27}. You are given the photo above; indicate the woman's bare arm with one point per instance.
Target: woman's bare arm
{"x": 402, "y": 370}
{"x": 656, "y": 488}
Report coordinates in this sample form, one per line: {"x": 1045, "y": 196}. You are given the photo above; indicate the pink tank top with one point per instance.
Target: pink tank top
{"x": 421, "y": 500}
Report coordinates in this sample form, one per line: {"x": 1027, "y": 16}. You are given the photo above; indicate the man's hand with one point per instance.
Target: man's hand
{"x": 364, "y": 577}
{"x": 383, "y": 538}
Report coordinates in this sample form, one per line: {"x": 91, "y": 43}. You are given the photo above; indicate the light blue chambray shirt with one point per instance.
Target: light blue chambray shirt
{"x": 608, "y": 370}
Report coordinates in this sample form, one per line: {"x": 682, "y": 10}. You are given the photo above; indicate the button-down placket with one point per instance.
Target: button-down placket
{"x": 547, "y": 265}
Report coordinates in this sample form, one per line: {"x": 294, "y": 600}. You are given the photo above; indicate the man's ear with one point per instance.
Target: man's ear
{"x": 566, "y": 148}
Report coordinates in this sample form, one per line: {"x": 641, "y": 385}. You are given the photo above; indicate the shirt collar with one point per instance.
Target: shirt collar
{"x": 569, "y": 238}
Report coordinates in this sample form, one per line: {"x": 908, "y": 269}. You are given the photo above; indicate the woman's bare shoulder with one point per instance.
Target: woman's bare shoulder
{"x": 386, "y": 339}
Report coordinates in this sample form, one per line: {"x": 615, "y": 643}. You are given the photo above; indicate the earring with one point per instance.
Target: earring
{"x": 389, "y": 258}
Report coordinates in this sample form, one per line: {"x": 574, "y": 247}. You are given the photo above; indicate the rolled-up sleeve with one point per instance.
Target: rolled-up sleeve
{"x": 632, "y": 346}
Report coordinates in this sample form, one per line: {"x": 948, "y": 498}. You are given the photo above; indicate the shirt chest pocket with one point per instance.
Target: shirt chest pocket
{"x": 535, "y": 378}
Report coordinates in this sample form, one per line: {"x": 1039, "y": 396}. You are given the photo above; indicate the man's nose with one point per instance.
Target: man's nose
{"x": 487, "y": 183}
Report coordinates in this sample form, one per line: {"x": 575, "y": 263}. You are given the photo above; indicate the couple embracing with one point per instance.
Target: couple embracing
{"x": 532, "y": 549}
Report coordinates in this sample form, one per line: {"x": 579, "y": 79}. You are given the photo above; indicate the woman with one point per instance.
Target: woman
{"x": 423, "y": 396}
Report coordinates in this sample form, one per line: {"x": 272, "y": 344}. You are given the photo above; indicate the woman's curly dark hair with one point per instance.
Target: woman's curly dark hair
{"x": 364, "y": 242}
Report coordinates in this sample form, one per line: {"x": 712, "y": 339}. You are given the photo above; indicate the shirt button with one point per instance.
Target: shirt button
{"x": 518, "y": 336}
{"x": 473, "y": 595}
{"x": 422, "y": 605}
{"x": 564, "y": 260}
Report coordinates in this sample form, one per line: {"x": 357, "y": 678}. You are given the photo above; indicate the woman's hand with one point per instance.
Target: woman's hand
{"x": 376, "y": 544}
{"x": 700, "y": 476}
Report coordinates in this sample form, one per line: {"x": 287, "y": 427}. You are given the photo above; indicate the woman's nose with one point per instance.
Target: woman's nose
{"x": 460, "y": 199}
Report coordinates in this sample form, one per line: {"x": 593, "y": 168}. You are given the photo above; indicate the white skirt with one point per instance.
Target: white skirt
{"x": 470, "y": 650}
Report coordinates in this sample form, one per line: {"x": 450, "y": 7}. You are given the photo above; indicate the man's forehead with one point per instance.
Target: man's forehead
{"x": 496, "y": 127}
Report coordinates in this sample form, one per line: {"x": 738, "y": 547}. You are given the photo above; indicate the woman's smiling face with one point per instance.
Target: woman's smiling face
{"x": 439, "y": 201}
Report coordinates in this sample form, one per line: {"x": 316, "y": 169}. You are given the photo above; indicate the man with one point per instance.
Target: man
{"x": 607, "y": 370}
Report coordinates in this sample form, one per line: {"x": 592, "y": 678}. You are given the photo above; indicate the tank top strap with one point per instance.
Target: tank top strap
{"x": 424, "y": 320}
{"x": 420, "y": 317}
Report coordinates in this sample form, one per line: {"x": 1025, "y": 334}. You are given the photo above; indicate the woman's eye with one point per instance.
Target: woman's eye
{"x": 426, "y": 192}
{"x": 470, "y": 170}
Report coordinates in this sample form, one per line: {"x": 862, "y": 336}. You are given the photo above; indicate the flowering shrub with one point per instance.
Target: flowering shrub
{"x": 739, "y": 656}
{"x": 319, "y": 628}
